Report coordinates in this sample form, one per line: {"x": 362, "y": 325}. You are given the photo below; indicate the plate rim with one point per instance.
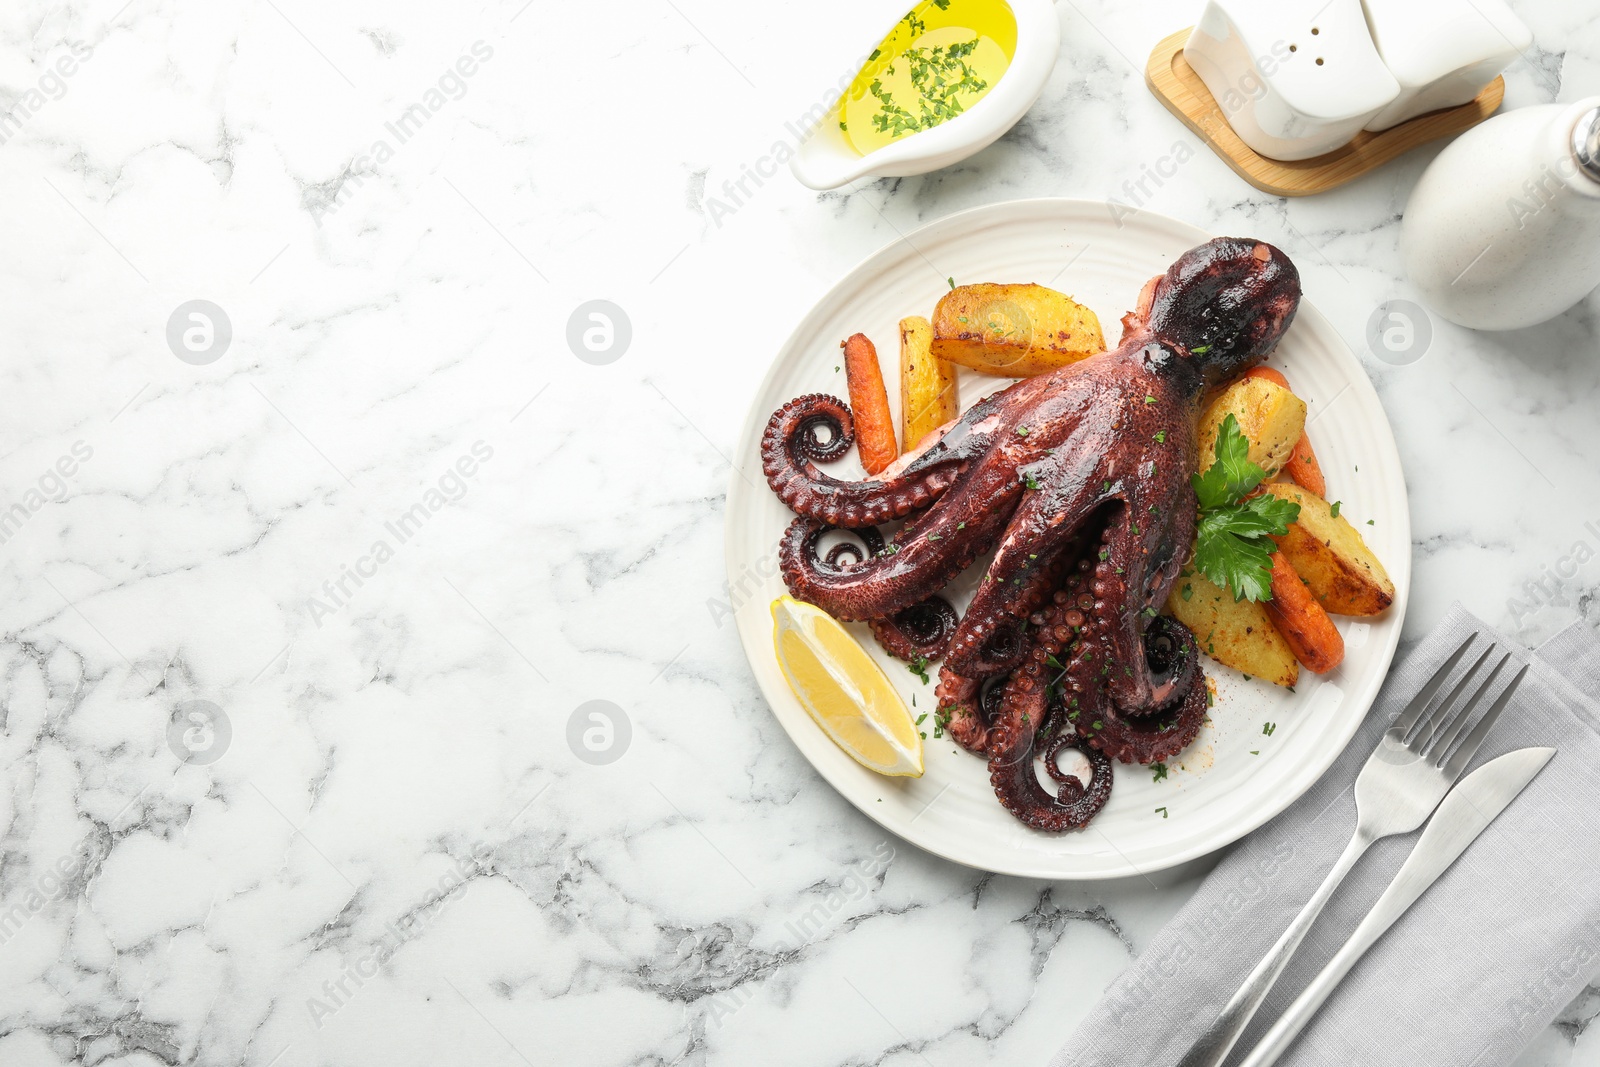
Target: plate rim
{"x": 1400, "y": 572}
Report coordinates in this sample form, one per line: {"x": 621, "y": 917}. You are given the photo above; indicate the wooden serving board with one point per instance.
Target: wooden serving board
{"x": 1177, "y": 86}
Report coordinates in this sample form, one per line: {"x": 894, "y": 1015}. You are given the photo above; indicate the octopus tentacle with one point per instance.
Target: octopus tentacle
{"x": 791, "y": 447}
{"x": 960, "y": 711}
{"x": 847, "y": 554}
{"x": 921, "y": 631}
{"x": 929, "y": 551}
{"x": 1140, "y": 562}
{"x": 968, "y": 706}
{"x": 1099, "y": 765}
{"x": 1063, "y": 492}
{"x": 908, "y": 570}
{"x": 990, "y": 639}
{"x": 1012, "y": 738}
{"x": 1146, "y": 740}
{"x": 1172, "y": 657}
{"x": 1036, "y": 549}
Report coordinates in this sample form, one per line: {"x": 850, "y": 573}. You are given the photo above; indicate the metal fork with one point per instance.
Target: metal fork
{"x": 1401, "y": 783}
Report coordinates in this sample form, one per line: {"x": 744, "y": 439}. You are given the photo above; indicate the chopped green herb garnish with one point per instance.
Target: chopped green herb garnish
{"x": 1233, "y": 544}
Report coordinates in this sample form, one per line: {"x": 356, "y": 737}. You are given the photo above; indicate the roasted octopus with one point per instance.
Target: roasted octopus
{"x": 1078, "y": 482}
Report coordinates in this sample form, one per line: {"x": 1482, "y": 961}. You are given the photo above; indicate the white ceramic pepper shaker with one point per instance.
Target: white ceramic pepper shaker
{"x": 1503, "y": 229}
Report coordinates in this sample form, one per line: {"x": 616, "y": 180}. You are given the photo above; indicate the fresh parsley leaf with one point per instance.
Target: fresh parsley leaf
{"x": 1334, "y": 509}
{"x": 1260, "y": 516}
{"x": 1232, "y": 536}
{"x": 1232, "y": 476}
{"x": 1243, "y": 565}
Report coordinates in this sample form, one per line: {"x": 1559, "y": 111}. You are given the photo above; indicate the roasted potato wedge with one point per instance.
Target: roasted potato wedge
{"x": 928, "y": 396}
{"x": 1329, "y": 554}
{"x": 1013, "y": 331}
{"x": 1235, "y": 633}
{"x": 1270, "y": 417}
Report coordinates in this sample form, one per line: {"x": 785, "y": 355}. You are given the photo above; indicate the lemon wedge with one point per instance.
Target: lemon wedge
{"x": 841, "y": 687}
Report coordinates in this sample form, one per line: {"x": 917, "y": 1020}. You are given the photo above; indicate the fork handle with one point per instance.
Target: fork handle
{"x": 1213, "y": 1046}
{"x": 1278, "y": 1039}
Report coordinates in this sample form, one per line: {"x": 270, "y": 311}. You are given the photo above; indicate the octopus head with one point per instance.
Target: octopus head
{"x": 1225, "y": 303}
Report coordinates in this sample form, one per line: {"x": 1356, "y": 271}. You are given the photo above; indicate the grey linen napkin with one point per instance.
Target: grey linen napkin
{"x": 1471, "y": 974}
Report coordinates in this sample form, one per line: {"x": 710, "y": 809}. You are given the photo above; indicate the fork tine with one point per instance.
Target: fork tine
{"x": 1431, "y": 722}
{"x": 1446, "y": 737}
{"x": 1413, "y": 710}
{"x": 1469, "y": 748}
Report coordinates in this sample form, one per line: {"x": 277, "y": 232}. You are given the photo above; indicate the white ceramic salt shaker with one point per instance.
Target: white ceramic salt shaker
{"x": 1503, "y": 229}
{"x": 1294, "y": 78}
{"x": 1442, "y": 52}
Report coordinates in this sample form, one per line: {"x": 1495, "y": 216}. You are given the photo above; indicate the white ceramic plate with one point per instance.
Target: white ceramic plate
{"x": 1236, "y": 776}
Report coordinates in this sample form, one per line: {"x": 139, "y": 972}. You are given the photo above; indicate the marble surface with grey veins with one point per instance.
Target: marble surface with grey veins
{"x": 321, "y": 535}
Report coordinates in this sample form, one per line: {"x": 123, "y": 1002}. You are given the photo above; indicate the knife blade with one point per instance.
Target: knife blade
{"x": 1464, "y": 813}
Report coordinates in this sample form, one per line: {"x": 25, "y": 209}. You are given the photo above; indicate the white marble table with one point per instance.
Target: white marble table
{"x": 374, "y": 552}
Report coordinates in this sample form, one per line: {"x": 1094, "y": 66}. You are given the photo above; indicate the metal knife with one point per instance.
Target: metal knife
{"x": 1464, "y": 814}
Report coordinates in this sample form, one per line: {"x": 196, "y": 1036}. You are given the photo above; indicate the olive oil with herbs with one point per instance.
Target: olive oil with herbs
{"x": 938, "y": 61}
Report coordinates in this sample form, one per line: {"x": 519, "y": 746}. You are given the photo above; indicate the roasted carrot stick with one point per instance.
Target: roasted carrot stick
{"x": 1304, "y": 624}
{"x": 869, "y": 404}
{"x": 1302, "y": 465}
{"x": 1271, "y": 374}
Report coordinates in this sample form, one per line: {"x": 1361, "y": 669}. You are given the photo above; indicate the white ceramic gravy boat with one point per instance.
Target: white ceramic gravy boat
{"x": 826, "y": 160}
